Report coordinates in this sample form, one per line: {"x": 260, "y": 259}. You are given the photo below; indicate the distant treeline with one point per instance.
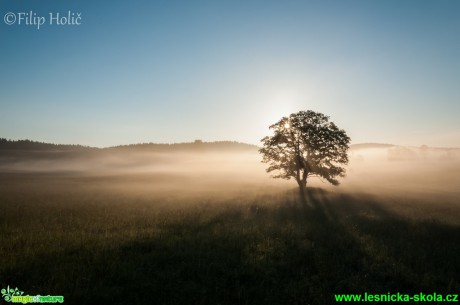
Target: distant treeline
{"x": 379, "y": 145}
{"x": 198, "y": 145}
{"x": 6, "y": 144}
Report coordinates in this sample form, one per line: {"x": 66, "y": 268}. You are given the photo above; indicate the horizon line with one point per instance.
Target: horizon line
{"x": 199, "y": 141}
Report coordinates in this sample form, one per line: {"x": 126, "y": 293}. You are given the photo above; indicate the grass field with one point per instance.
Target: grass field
{"x": 168, "y": 238}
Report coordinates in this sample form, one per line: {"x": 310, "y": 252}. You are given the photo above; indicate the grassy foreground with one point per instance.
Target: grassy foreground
{"x": 95, "y": 240}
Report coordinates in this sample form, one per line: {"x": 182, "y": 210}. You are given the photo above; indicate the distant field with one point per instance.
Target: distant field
{"x": 211, "y": 228}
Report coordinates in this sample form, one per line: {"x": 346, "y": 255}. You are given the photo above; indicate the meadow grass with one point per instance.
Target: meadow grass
{"x": 125, "y": 240}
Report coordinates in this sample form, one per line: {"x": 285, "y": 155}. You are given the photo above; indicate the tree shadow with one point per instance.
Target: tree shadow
{"x": 387, "y": 252}
{"x": 281, "y": 252}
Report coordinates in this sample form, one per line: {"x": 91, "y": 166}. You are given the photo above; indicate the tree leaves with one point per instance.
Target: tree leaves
{"x": 306, "y": 144}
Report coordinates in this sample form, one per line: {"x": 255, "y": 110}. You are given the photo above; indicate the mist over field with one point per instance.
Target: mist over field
{"x": 399, "y": 168}
{"x": 206, "y": 219}
{"x": 373, "y": 168}
{"x": 412, "y": 176}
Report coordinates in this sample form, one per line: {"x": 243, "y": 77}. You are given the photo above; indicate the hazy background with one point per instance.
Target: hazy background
{"x": 228, "y": 167}
{"x": 161, "y": 71}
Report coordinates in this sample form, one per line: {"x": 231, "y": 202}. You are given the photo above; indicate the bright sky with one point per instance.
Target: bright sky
{"x": 176, "y": 71}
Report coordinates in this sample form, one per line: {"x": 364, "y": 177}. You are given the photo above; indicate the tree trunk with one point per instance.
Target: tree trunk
{"x": 303, "y": 188}
{"x": 303, "y": 191}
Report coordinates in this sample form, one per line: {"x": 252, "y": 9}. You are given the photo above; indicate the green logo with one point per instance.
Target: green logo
{"x": 17, "y": 296}
{"x": 9, "y": 293}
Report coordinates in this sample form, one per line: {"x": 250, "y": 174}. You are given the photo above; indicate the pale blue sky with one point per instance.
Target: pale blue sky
{"x": 175, "y": 71}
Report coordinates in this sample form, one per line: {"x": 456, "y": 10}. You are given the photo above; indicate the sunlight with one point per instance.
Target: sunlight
{"x": 279, "y": 103}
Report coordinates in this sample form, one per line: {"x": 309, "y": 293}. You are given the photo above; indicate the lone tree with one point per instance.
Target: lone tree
{"x": 306, "y": 144}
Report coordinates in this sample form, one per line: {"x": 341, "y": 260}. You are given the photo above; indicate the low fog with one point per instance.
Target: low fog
{"x": 414, "y": 182}
{"x": 372, "y": 168}
{"x": 398, "y": 168}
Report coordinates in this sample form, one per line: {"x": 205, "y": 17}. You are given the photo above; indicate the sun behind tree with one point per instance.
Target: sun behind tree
{"x": 306, "y": 144}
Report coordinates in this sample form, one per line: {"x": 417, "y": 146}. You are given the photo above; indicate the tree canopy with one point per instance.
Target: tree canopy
{"x": 306, "y": 144}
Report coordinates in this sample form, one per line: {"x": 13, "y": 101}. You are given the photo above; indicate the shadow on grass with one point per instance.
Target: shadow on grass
{"x": 269, "y": 251}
